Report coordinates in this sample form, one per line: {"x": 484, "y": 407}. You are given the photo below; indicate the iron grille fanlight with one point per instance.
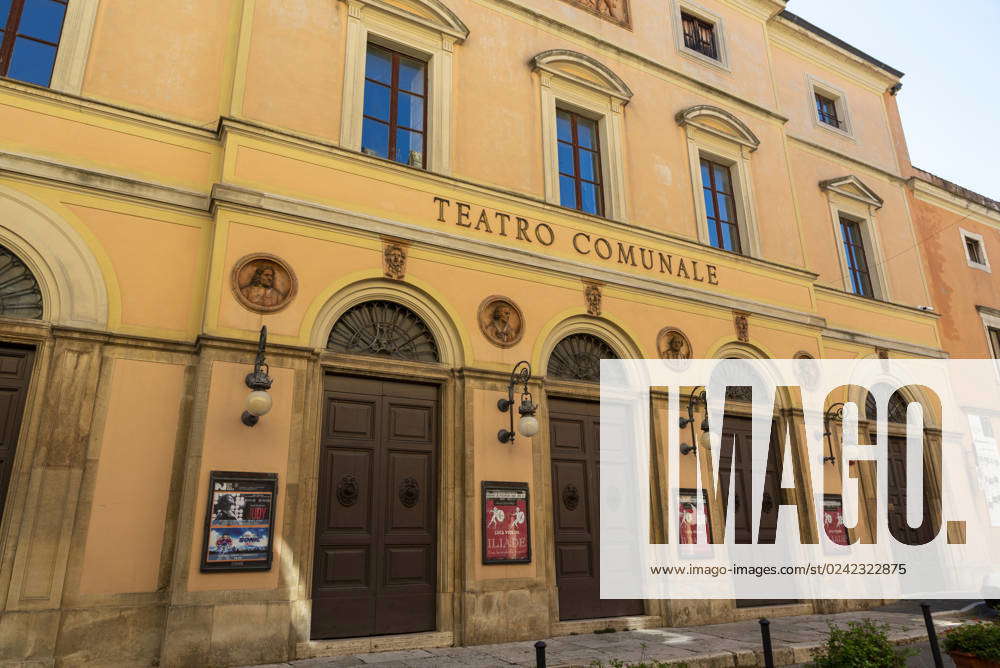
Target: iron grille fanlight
{"x": 385, "y": 329}
{"x": 578, "y": 357}
{"x": 897, "y": 408}
{"x": 20, "y": 296}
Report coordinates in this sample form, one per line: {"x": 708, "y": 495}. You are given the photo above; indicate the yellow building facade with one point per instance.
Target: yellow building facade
{"x": 191, "y": 173}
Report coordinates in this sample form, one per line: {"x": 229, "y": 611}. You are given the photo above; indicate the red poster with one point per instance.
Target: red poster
{"x": 695, "y": 529}
{"x": 506, "y": 538}
{"x": 833, "y": 519}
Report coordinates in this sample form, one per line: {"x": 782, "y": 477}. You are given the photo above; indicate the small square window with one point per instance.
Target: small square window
{"x": 826, "y": 108}
{"x": 699, "y": 35}
{"x": 975, "y": 250}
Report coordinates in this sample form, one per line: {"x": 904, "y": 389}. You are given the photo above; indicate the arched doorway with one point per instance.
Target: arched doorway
{"x": 574, "y": 445}
{"x": 375, "y": 559}
{"x": 20, "y": 297}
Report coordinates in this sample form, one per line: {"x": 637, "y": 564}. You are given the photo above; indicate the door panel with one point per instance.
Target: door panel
{"x": 376, "y": 565}
{"x": 574, "y": 428}
{"x": 15, "y": 372}
{"x": 897, "y": 493}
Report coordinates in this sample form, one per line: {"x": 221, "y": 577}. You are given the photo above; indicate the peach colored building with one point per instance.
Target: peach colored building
{"x": 412, "y": 196}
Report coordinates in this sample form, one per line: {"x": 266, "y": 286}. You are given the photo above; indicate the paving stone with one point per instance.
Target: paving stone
{"x": 387, "y": 658}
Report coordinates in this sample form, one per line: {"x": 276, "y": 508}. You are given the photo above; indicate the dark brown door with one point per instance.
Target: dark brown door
{"x": 375, "y": 565}
{"x": 896, "y": 463}
{"x": 15, "y": 371}
{"x": 737, "y": 444}
{"x": 574, "y": 428}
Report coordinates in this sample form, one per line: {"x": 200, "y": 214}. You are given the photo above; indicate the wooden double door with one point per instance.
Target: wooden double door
{"x": 375, "y": 565}
{"x": 15, "y": 372}
{"x": 574, "y": 428}
{"x": 897, "y": 496}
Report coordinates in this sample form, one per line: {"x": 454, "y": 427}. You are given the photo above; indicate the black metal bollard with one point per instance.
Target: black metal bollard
{"x": 765, "y": 635}
{"x": 932, "y": 635}
{"x": 540, "y": 654}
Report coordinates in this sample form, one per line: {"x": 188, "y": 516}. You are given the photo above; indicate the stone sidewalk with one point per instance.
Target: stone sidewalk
{"x": 714, "y": 646}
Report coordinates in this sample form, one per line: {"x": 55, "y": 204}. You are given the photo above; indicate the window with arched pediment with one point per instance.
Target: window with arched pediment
{"x": 578, "y": 357}
{"x": 20, "y": 296}
{"x": 383, "y": 329}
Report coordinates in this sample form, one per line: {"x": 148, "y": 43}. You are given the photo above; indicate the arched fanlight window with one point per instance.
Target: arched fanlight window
{"x": 385, "y": 329}
{"x": 578, "y": 357}
{"x": 20, "y": 296}
{"x": 897, "y": 408}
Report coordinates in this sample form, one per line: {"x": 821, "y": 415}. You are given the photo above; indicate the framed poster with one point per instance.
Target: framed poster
{"x": 506, "y": 523}
{"x": 833, "y": 519}
{"x": 239, "y": 521}
{"x": 695, "y": 529}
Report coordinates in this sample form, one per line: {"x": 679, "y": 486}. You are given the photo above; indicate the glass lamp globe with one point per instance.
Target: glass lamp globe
{"x": 528, "y": 425}
{"x": 258, "y": 403}
{"x": 705, "y": 440}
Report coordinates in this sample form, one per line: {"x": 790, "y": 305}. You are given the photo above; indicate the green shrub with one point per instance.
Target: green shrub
{"x": 861, "y": 645}
{"x": 982, "y": 640}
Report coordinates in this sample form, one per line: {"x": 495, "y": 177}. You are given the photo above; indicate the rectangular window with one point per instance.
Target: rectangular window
{"x": 720, "y": 206}
{"x": 827, "y": 110}
{"x": 699, "y": 36}
{"x": 29, "y": 38}
{"x": 857, "y": 260}
{"x": 579, "y": 163}
{"x": 994, "y": 340}
{"x": 395, "y": 107}
{"x": 974, "y": 250}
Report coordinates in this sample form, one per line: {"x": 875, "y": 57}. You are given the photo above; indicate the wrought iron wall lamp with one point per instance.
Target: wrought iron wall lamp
{"x": 834, "y": 412}
{"x": 527, "y": 426}
{"x": 258, "y": 402}
{"x": 704, "y": 438}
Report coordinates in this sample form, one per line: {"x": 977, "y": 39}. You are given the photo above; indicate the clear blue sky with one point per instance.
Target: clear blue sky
{"x": 950, "y": 52}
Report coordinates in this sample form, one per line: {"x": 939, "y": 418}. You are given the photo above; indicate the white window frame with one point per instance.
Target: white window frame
{"x": 604, "y": 104}
{"x": 991, "y": 319}
{"x": 873, "y": 247}
{"x": 718, "y": 29}
{"x": 432, "y": 41}
{"x": 978, "y": 238}
{"x": 74, "y": 46}
{"x": 839, "y": 98}
{"x": 733, "y": 149}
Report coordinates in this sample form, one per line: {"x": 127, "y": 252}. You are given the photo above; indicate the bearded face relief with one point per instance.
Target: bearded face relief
{"x": 263, "y": 283}
{"x": 501, "y": 321}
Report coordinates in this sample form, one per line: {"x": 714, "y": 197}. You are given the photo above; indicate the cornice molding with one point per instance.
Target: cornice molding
{"x": 938, "y": 196}
{"x": 444, "y": 21}
{"x": 548, "y": 61}
{"x": 841, "y": 186}
{"x": 741, "y": 133}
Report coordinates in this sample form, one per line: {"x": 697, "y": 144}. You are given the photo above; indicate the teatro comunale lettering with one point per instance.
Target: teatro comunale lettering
{"x": 517, "y": 228}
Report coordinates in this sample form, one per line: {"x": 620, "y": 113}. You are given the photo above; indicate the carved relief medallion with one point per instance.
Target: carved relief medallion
{"x": 592, "y": 294}
{"x": 742, "y": 325}
{"x": 673, "y": 345}
{"x": 263, "y": 283}
{"x": 394, "y": 260}
{"x": 616, "y": 11}
{"x": 501, "y": 321}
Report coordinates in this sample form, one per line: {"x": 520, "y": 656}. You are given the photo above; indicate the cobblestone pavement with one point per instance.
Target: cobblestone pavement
{"x": 714, "y": 646}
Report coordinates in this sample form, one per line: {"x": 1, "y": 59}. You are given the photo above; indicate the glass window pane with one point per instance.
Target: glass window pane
{"x": 410, "y": 148}
{"x": 375, "y": 138}
{"x": 564, "y": 130}
{"x": 589, "y": 197}
{"x": 4, "y": 12}
{"x": 379, "y": 65}
{"x": 377, "y": 100}
{"x": 566, "y": 165}
{"x": 567, "y": 192}
{"x": 32, "y": 62}
{"x": 728, "y": 238}
{"x": 586, "y": 133}
{"x": 42, "y": 19}
{"x": 725, "y": 212}
{"x": 709, "y": 203}
{"x": 588, "y": 166}
{"x": 411, "y": 74}
{"x": 713, "y": 235}
{"x": 706, "y": 177}
{"x": 722, "y": 180}
{"x": 410, "y": 111}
